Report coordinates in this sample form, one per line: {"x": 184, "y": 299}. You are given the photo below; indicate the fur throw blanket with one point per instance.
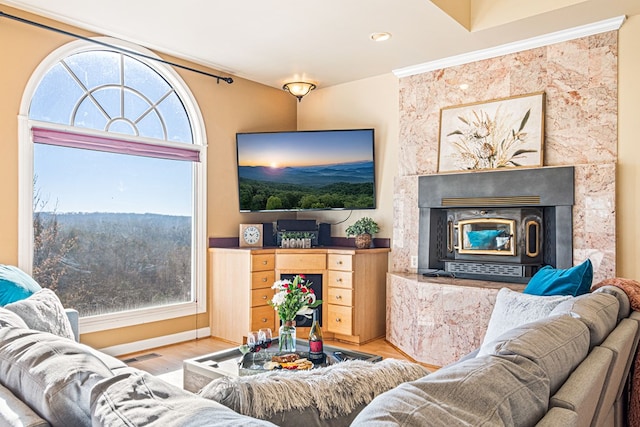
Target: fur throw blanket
{"x": 632, "y": 289}
{"x": 334, "y": 390}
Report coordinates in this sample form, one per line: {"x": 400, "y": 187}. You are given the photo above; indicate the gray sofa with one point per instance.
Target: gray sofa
{"x": 567, "y": 369}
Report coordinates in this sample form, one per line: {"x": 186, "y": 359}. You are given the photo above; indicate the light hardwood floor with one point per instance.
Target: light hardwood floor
{"x": 169, "y": 359}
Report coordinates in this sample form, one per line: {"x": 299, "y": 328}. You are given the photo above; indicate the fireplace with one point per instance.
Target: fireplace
{"x": 499, "y": 225}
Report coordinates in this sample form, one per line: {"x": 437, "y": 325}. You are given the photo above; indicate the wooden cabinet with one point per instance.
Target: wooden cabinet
{"x": 241, "y": 281}
{"x": 354, "y": 286}
{"x": 356, "y": 297}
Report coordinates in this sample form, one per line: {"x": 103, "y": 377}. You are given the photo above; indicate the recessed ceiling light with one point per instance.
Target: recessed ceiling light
{"x": 380, "y": 37}
{"x": 464, "y": 86}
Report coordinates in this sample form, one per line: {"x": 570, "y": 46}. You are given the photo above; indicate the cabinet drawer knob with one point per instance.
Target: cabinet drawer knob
{"x": 265, "y": 262}
{"x": 339, "y": 279}
{"x": 264, "y": 320}
{"x": 264, "y": 279}
{"x": 339, "y": 262}
{"x": 338, "y": 296}
{"x": 264, "y": 297}
{"x": 338, "y": 319}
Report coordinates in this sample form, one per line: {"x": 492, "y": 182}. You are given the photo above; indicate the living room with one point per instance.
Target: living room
{"x": 384, "y": 102}
{"x": 590, "y": 124}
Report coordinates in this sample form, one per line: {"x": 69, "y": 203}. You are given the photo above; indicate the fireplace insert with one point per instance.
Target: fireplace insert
{"x": 496, "y": 225}
{"x": 494, "y": 241}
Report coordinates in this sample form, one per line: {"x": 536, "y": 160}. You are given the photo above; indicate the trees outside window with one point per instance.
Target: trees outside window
{"x": 117, "y": 177}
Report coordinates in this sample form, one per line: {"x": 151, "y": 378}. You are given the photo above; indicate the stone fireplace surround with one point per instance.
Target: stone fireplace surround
{"x": 438, "y": 320}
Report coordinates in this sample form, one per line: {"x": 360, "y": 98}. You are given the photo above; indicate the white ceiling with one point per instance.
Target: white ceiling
{"x": 275, "y": 41}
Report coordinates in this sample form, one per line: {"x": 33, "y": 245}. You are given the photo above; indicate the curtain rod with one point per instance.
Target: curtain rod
{"x": 229, "y": 80}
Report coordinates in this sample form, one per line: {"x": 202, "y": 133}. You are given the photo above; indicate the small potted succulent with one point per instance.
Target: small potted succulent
{"x": 363, "y": 229}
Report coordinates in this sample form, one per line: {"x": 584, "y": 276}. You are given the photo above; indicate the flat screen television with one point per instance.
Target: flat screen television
{"x": 306, "y": 170}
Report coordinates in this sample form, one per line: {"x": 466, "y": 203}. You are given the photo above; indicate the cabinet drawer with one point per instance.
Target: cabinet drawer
{"x": 340, "y": 279}
{"x": 261, "y": 262}
{"x": 340, "y": 262}
{"x": 263, "y": 317}
{"x": 302, "y": 262}
{"x": 340, "y": 296}
{"x": 262, "y": 279}
{"x": 261, "y": 297}
{"x": 340, "y": 319}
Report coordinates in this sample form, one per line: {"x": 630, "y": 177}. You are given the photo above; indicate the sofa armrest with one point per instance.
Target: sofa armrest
{"x": 74, "y": 319}
{"x": 559, "y": 417}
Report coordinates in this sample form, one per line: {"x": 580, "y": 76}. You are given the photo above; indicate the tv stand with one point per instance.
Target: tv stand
{"x": 353, "y": 291}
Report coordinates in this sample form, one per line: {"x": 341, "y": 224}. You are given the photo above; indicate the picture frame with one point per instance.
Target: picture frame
{"x": 499, "y": 133}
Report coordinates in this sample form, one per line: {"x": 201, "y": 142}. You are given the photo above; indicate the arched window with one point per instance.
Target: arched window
{"x": 115, "y": 154}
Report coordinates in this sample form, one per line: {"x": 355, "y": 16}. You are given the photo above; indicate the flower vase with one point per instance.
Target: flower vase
{"x": 287, "y": 336}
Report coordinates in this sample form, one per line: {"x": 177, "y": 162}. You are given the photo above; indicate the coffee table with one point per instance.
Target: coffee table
{"x": 200, "y": 371}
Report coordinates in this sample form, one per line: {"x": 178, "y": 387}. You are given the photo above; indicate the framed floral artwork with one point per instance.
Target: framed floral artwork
{"x": 500, "y": 133}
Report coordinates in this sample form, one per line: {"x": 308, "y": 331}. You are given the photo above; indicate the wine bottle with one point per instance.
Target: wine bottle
{"x": 316, "y": 350}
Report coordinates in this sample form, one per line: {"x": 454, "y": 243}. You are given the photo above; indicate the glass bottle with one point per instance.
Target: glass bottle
{"x": 316, "y": 350}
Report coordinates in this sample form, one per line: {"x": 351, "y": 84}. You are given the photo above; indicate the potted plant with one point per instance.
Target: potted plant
{"x": 363, "y": 229}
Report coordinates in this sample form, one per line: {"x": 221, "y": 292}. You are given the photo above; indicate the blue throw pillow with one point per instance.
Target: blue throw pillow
{"x": 552, "y": 281}
{"x": 15, "y": 285}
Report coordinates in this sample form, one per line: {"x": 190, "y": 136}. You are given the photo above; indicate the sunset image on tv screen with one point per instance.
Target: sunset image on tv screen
{"x": 306, "y": 170}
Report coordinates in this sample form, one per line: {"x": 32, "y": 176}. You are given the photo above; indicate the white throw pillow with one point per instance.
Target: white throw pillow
{"x": 44, "y": 312}
{"x": 514, "y": 309}
{"x": 10, "y": 319}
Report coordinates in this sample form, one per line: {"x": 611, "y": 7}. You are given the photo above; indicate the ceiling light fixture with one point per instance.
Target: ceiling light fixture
{"x": 380, "y": 37}
{"x": 299, "y": 89}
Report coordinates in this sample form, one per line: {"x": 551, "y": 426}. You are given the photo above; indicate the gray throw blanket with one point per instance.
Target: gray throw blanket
{"x": 334, "y": 390}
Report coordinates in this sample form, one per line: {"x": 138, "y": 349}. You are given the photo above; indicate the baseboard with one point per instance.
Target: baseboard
{"x": 134, "y": 347}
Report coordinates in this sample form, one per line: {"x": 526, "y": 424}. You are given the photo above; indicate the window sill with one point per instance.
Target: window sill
{"x": 136, "y": 317}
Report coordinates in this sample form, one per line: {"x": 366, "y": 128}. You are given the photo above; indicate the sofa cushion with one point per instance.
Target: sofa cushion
{"x": 621, "y": 296}
{"x": 554, "y": 281}
{"x": 52, "y": 375}
{"x": 513, "y": 309}
{"x": 137, "y": 398}
{"x": 485, "y": 391}
{"x": 15, "y": 284}
{"x": 10, "y": 319}
{"x": 330, "y": 396}
{"x": 598, "y": 311}
{"x": 557, "y": 344}
{"x": 44, "y": 312}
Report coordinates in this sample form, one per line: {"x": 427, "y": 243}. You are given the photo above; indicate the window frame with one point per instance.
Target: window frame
{"x": 25, "y": 185}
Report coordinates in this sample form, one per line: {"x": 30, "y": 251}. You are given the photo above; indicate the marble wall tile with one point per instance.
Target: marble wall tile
{"x": 594, "y": 212}
{"x": 405, "y": 220}
{"x": 437, "y": 323}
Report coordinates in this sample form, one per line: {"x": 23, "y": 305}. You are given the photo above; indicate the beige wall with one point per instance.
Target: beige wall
{"x": 367, "y": 103}
{"x": 227, "y": 109}
{"x": 628, "y": 191}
